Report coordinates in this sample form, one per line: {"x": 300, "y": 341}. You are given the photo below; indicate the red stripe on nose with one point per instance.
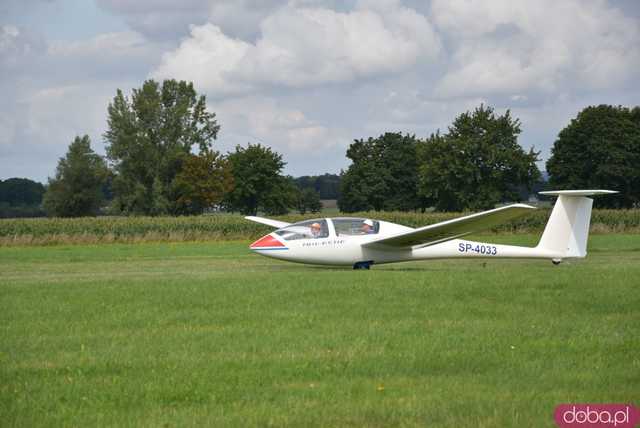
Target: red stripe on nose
{"x": 267, "y": 241}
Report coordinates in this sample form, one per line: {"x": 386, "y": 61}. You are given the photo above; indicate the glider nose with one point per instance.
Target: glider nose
{"x": 268, "y": 242}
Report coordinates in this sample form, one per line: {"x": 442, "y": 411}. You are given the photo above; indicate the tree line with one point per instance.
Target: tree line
{"x": 160, "y": 160}
{"x": 478, "y": 163}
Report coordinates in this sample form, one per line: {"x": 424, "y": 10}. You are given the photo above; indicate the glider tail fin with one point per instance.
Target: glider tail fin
{"x": 567, "y": 230}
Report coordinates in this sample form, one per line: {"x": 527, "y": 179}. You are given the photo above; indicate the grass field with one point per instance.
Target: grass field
{"x": 207, "y": 334}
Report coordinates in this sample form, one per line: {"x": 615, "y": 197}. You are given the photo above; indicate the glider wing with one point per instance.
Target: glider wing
{"x": 452, "y": 229}
{"x": 273, "y": 223}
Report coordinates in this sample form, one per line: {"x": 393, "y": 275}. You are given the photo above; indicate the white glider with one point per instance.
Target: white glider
{"x": 362, "y": 242}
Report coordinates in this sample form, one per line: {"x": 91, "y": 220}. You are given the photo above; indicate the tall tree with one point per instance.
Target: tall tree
{"x": 382, "y": 176}
{"x": 76, "y": 189}
{"x": 476, "y": 164}
{"x": 259, "y": 183}
{"x": 600, "y": 149}
{"x": 149, "y": 137}
{"x": 201, "y": 183}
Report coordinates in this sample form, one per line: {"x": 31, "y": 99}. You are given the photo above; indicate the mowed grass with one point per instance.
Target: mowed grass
{"x": 208, "y": 334}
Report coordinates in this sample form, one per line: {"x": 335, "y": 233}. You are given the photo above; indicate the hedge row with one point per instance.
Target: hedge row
{"x": 234, "y": 227}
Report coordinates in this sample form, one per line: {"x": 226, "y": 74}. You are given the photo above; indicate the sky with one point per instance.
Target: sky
{"x": 307, "y": 77}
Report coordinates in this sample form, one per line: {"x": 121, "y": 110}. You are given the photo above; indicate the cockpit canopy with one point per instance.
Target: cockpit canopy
{"x": 319, "y": 228}
{"x": 308, "y": 229}
{"x": 355, "y": 226}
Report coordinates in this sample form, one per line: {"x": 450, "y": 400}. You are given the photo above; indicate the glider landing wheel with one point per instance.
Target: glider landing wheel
{"x": 362, "y": 265}
{"x": 556, "y": 261}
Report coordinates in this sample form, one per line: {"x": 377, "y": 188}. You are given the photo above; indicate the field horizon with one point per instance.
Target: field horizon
{"x": 207, "y": 333}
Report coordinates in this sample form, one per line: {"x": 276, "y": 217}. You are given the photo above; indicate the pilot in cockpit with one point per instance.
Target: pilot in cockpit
{"x": 316, "y": 230}
{"x": 367, "y": 227}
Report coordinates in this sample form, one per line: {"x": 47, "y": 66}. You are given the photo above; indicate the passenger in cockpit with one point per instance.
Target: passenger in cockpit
{"x": 367, "y": 227}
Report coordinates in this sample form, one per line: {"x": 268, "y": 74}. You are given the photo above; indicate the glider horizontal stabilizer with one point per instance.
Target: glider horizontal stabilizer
{"x": 578, "y": 192}
{"x": 453, "y": 229}
{"x": 273, "y": 223}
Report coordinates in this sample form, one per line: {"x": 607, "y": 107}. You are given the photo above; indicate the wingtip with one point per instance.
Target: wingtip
{"x": 529, "y": 207}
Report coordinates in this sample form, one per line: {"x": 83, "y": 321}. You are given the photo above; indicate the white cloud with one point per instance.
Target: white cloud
{"x": 309, "y": 145}
{"x": 7, "y": 130}
{"x": 8, "y": 33}
{"x": 45, "y": 124}
{"x": 56, "y": 90}
{"x": 159, "y": 19}
{"x": 268, "y": 121}
{"x": 300, "y": 46}
{"x": 125, "y": 43}
{"x": 241, "y": 18}
{"x": 17, "y": 47}
{"x": 508, "y": 47}
{"x": 206, "y": 58}
{"x": 108, "y": 56}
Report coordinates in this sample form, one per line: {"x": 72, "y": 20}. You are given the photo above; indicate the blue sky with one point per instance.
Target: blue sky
{"x": 86, "y": 18}
{"x": 306, "y": 77}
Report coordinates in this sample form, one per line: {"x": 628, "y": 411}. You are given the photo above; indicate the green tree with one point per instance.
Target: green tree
{"x": 202, "y": 183}
{"x": 382, "y": 175}
{"x": 327, "y": 185}
{"x": 281, "y": 198}
{"x": 600, "y": 149}
{"x": 477, "y": 164}
{"x": 76, "y": 189}
{"x": 21, "y": 191}
{"x": 308, "y": 199}
{"x": 21, "y": 197}
{"x": 258, "y": 182}
{"x": 149, "y": 137}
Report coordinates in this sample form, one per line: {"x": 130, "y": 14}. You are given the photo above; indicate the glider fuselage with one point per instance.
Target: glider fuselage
{"x": 347, "y": 249}
{"x": 361, "y": 242}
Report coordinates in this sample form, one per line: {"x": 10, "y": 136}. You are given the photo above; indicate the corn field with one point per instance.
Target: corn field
{"x": 45, "y": 231}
